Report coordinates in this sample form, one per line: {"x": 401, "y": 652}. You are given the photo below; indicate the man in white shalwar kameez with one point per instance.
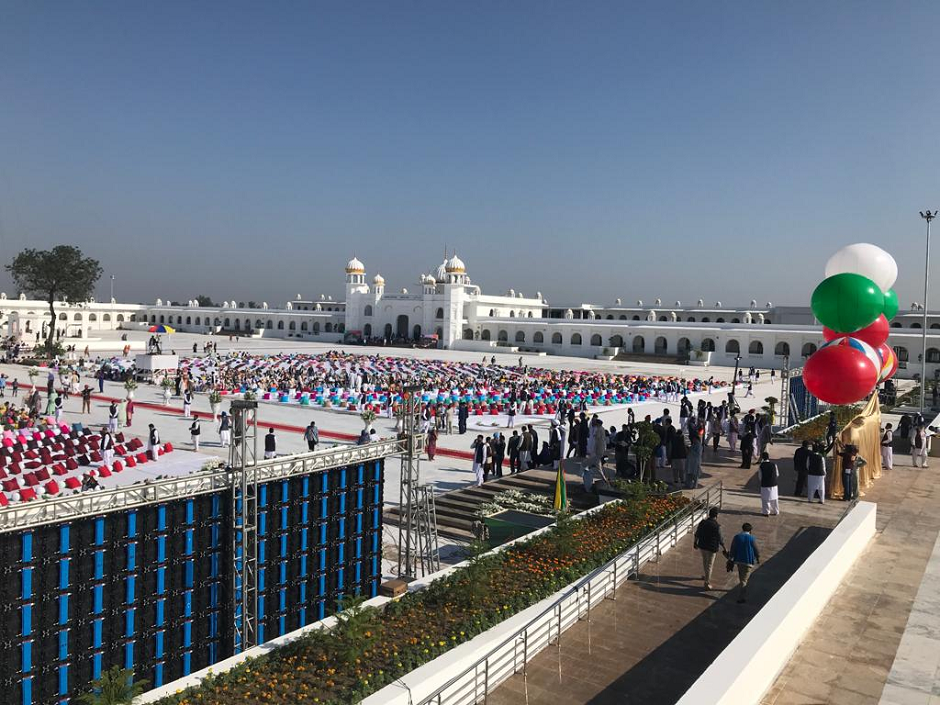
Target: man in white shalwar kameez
{"x": 769, "y": 474}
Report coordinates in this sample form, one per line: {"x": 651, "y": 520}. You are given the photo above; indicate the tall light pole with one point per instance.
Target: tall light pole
{"x": 112, "y": 287}
{"x": 928, "y": 216}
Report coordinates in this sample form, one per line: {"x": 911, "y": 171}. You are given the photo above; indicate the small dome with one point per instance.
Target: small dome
{"x": 455, "y": 265}
{"x": 441, "y": 273}
{"x": 430, "y": 281}
{"x": 354, "y": 266}
{"x": 378, "y": 279}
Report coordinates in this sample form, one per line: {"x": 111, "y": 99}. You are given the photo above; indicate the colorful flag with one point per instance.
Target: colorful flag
{"x": 561, "y": 492}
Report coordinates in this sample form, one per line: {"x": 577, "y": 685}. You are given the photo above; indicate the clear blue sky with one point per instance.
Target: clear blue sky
{"x": 585, "y": 149}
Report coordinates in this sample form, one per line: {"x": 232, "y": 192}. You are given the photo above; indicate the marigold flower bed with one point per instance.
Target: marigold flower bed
{"x": 371, "y": 648}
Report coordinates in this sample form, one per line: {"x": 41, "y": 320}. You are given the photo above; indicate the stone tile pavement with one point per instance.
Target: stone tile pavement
{"x": 662, "y": 631}
{"x": 915, "y": 675}
{"x": 848, "y": 655}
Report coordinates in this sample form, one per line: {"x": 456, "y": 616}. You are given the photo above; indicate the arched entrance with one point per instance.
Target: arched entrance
{"x": 401, "y": 326}
{"x": 388, "y": 331}
{"x": 416, "y": 333}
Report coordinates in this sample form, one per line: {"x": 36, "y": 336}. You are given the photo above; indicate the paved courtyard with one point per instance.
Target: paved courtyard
{"x": 664, "y": 629}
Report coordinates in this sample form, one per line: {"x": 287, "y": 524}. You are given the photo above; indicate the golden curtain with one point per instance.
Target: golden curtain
{"x": 864, "y": 431}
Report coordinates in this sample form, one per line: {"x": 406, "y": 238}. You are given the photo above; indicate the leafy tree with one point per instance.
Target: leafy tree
{"x": 644, "y": 446}
{"x": 771, "y": 407}
{"x": 116, "y": 686}
{"x": 204, "y": 300}
{"x": 60, "y": 273}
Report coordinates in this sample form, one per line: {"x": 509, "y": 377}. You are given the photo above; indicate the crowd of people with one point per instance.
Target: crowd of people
{"x": 378, "y": 382}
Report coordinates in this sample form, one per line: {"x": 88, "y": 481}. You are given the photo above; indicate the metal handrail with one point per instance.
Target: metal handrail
{"x": 704, "y": 498}
{"x": 25, "y": 515}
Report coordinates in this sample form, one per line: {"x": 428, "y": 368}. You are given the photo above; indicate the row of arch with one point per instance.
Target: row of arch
{"x": 368, "y": 311}
{"x": 92, "y": 317}
{"x": 933, "y": 326}
{"x": 638, "y": 345}
{"x": 690, "y": 319}
{"x": 389, "y": 331}
{"x": 259, "y": 324}
{"x": 513, "y": 314}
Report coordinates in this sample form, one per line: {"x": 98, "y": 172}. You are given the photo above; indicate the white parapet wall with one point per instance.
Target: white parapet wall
{"x": 464, "y": 675}
{"x": 530, "y": 630}
{"x": 750, "y": 664}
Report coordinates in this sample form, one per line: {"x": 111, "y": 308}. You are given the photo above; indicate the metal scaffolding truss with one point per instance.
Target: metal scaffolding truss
{"x": 242, "y": 456}
{"x": 28, "y": 515}
{"x": 417, "y": 531}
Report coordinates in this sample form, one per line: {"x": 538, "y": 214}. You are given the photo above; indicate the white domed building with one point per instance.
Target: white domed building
{"x": 446, "y": 304}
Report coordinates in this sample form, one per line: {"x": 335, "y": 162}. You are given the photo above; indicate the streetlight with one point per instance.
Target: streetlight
{"x": 112, "y": 288}
{"x": 732, "y": 396}
{"x": 928, "y": 216}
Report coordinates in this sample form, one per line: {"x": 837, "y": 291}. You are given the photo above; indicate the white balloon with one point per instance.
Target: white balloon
{"x": 865, "y": 259}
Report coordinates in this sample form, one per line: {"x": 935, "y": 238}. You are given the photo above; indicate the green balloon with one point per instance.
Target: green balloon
{"x": 847, "y": 302}
{"x": 891, "y": 304}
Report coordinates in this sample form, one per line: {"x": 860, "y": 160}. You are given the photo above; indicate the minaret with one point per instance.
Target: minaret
{"x": 356, "y": 291}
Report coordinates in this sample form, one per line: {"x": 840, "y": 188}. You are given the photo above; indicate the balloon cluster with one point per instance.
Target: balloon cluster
{"x": 854, "y": 303}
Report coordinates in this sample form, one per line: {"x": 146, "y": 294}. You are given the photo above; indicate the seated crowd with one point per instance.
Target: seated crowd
{"x": 379, "y": 381}
{"x": 47, "y": 459}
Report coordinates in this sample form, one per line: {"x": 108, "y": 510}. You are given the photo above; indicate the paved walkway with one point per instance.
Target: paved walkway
{"x": 848, "y": 655}
{"x": 915, "y": 676}
{"x": 663, "y": 630}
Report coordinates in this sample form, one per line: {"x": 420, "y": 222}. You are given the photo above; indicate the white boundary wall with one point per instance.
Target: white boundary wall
{"x": 750, "y": 664}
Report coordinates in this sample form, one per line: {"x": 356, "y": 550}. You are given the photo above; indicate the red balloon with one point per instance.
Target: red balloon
{"x": 840, "y": 374}
{"x": 889, "y": 362}
{"x": 874, "y": 334}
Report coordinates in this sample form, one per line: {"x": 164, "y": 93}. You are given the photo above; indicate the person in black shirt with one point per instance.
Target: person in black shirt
{"x": 769, "y": 497}
{"x": 534, "y": 455}
{"x": 708, "y": 540}
{"x": 270, "y": 444}
{"x": 584, "y": 433}
{"x": 801, "y": 468}
{"x": 622, "y": 442}
{"x": 225, "y": 430}
{"x": 513, "y": 446}
{"x": 832, "y": 427}
{"x": 194, "y": 433}
{"x": 499, "y": 452}
{"x": 153, "y": 441}
{"x": 747, "y": 449}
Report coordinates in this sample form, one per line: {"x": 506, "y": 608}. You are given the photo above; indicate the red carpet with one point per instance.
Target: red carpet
{"x": 446, "y": 452}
